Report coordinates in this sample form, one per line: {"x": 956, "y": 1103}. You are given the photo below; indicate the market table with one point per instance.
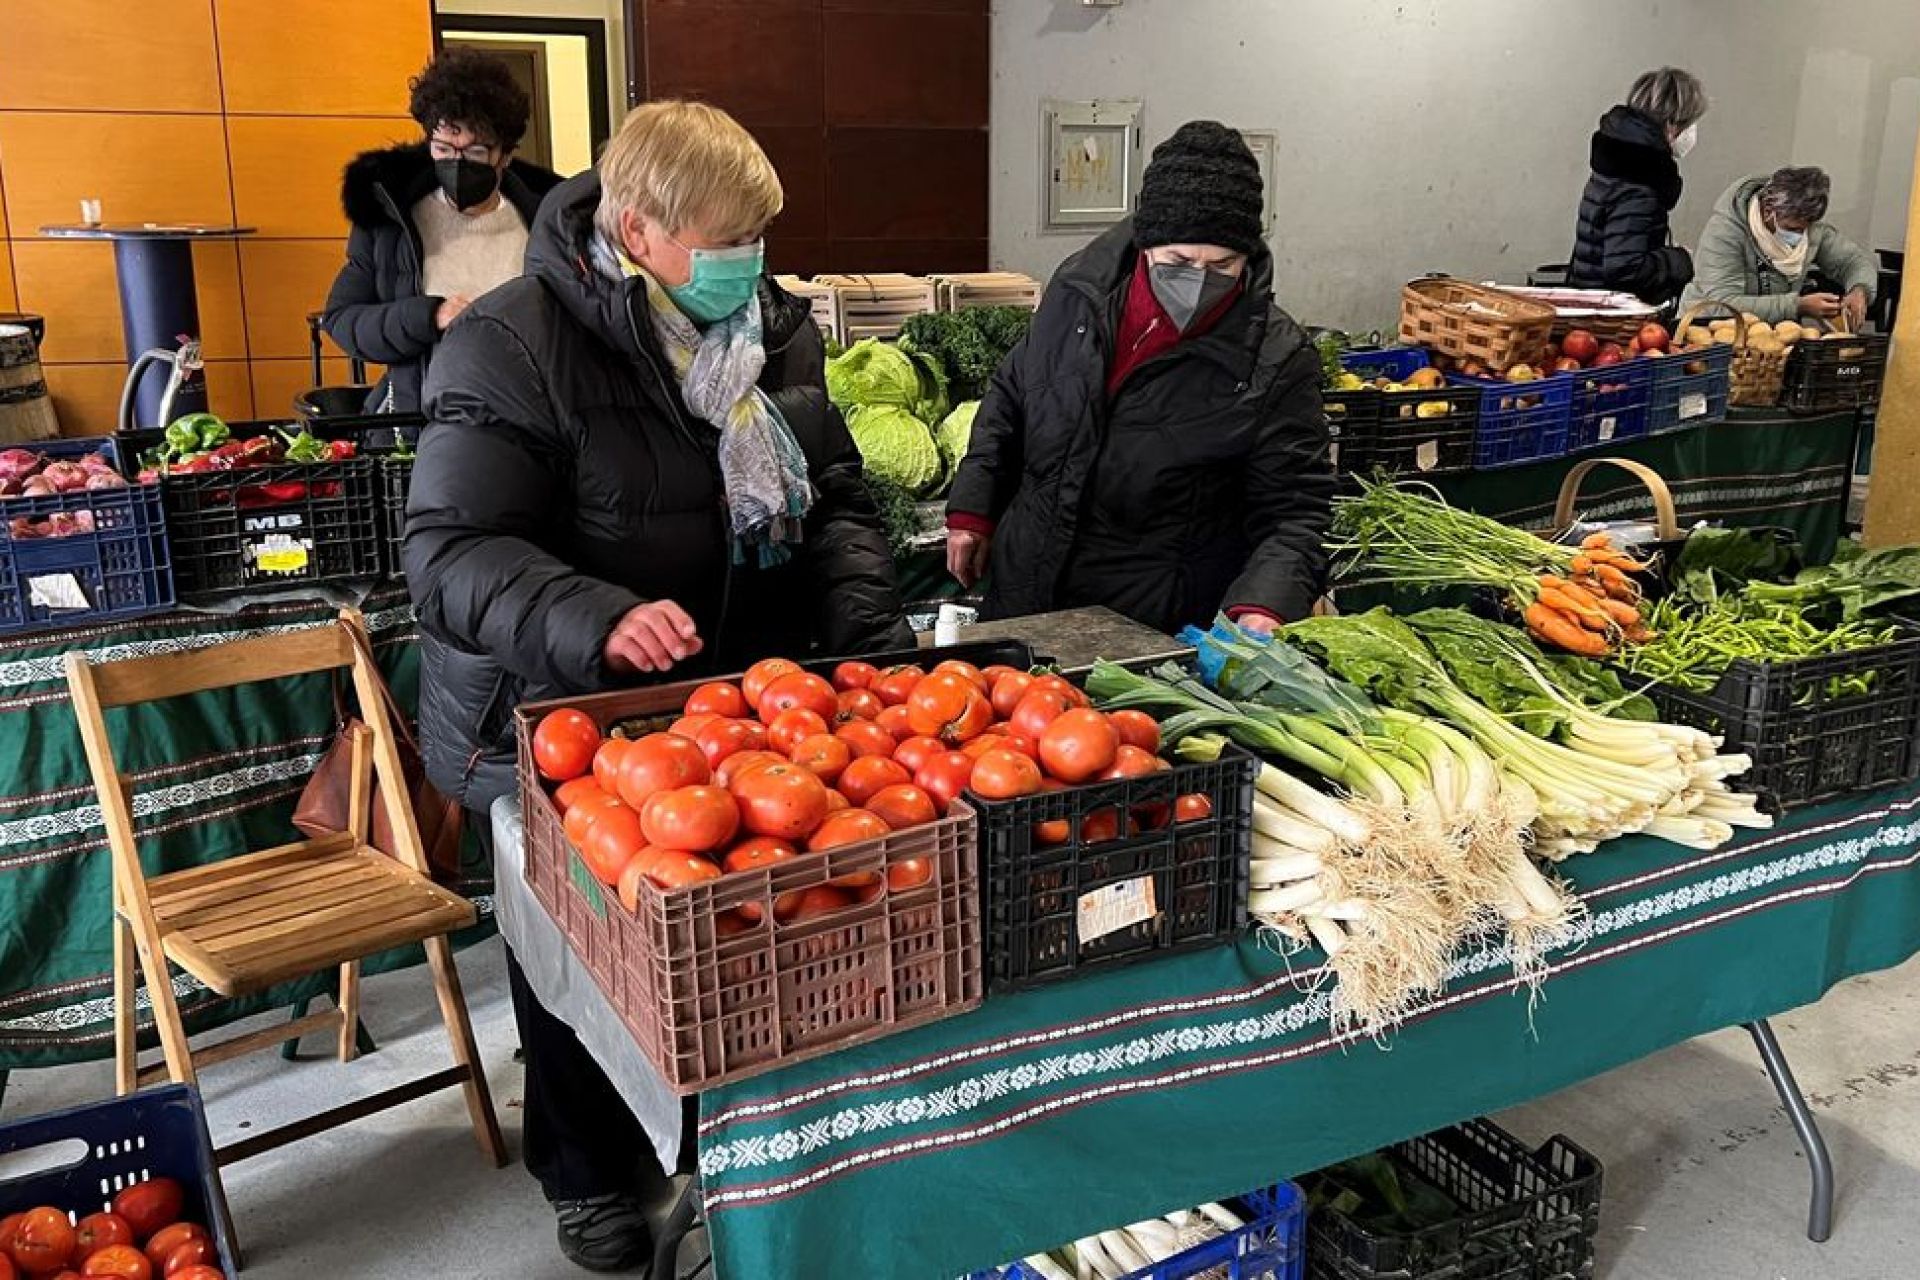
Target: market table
{"x": 1196, "y": 1077}
{"x": 218, "y": 774}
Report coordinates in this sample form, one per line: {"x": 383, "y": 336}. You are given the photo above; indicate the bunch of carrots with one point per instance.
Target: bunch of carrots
{"x": 1581, "y": 599}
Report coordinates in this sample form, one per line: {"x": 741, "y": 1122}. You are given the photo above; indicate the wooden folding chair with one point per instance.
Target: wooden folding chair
{"x": 248, "y": 923}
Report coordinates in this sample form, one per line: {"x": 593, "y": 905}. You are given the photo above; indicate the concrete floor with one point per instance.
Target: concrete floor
{"x": 1704, "y": 1181}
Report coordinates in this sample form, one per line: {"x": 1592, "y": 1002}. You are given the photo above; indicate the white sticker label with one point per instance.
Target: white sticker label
{"x": 57, "y": 591}
{"x": 1606, "y": 429}
{"x": 1693, "y": 405}
{"x": 1427, "y": 455}
{"x": 1333, "y": 454}
{"x": 1115, "y": 907}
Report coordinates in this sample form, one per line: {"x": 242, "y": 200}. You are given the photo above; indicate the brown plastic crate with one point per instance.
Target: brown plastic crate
{"x": 1470, "y": 321}
{"x": 709, "y": 1010}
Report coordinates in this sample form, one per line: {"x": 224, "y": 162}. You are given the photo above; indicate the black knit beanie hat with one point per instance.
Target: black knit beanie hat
{"x": 1203, "y": 187}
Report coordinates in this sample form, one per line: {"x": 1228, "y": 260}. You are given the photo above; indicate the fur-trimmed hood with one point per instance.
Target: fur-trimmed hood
{"x": 405, "y": 173}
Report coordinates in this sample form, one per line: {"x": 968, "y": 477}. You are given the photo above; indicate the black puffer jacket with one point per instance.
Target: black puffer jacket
{"x": 375, "y": 309}
{"x": 561, "y": 481}
{"x": 1204, "y": 484}
{"x": 1621, "y": 239}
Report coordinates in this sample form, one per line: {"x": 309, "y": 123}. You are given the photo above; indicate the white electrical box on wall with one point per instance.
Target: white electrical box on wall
{"x": 1091, "y": 162}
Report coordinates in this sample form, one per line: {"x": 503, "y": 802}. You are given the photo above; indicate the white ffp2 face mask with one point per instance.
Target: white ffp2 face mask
{"x": 1684, "y": 140}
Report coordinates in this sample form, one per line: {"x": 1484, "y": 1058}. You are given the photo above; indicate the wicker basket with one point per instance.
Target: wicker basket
{"x": 1470, "y": 321}
{"x": 1608, "y": 316}
{"x": 1757, "y": 375}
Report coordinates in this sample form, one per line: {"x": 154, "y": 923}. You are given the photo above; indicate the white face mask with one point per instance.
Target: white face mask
{"x": 1791, "y": 239}
{"x": 1684, "y": 140}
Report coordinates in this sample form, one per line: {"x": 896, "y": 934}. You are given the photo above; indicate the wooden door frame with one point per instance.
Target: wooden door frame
{"x": 599, "y": 115}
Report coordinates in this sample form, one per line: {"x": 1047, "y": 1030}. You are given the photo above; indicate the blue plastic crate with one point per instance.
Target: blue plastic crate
{"x": 1520, "y": 421}
{"x": 1610, "y": 403}
{"x": 122, "y": 569}
{"x": 1271, "y": 1246}
{"x": 1682, "y": 399}
{"x": 1392, "y": 363}
{"x": 82, "y": 1157}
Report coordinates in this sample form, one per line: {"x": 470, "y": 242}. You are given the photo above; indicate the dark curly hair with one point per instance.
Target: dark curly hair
{"x": 465, "y": 86}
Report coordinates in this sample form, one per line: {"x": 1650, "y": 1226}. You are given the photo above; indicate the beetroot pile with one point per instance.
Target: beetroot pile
{"x": 26, "y": 474}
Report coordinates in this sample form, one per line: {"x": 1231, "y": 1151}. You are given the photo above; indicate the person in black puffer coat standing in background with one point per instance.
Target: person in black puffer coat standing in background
{"x": 1156, "y": 443}
{"x": 1621, "y": 239}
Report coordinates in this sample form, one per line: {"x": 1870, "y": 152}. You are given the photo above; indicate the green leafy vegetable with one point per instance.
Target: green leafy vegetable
{"x": 874, "y": 373}
{"x": 896, "y": 447}
{"x": 969, "y": 344}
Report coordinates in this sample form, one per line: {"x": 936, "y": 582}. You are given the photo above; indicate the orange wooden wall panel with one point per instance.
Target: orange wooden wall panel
{"x": 86, "y": 397}
{"x": 286, "y": 169}
{"x": 230, "y": 389}
{"x": 216, "y": 277}
{"x": 9, "y": 300}
{"x": 108, "y": 55}
{"x": 72, "y": 283}
{"x": 286, "y": 279}
{"x": 321, "y": 57}
{"x": 277, "y": 382}
{"x": 142, "y": 168}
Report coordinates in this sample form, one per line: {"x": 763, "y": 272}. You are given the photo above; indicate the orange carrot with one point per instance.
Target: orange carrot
{"x": 1549, "y": 580}
{"x": 1620, "y": 560}
{"x": 1622, "y": 612}
{"x": 1582, "y": 564}
{"x": 1617, "y": 582}
{"x": 1594, "y": 540}
{"x": 1558, "y": 629}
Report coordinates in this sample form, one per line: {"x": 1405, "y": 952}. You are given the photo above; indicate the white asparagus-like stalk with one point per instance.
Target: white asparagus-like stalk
{"x": 1046, "y": 1267}
{"x": 1097, "y": 1258}
{"x": 1331, "y": 936}
{"x": 1540, "y": 895}
{"x": 1715, "y": 809}
{"x": 1155, "y": 1237}
{"x": 1695, "y": 833}
{"x": 1282, "y": 869}
{"x": 1348, "y": 911}
{"x": 1222, "y": 1217}
{"x": 1292, "y": 897}
{"x": 1321, "y": 810}
{"x": 1287, "y": 827}
{"x": 1120, "y": 1247}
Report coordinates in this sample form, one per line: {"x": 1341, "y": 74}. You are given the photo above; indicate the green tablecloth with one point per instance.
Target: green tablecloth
{"x": 215, "y": 775}
{"x": 1050, "y": 1114}
{"x": 1760, "y": 467}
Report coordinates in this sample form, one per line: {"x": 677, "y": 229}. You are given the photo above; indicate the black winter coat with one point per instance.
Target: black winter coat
{"x": 375, "y": 310}
{"x": 561, "y": 481}
{"x": 1620, "y": 241}
{"x": 1204, "y": 484}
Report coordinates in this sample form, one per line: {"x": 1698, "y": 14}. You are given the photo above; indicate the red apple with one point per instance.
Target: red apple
{"x": 1610, "y": 353}
{"x": 1653, "y": 337}
{"x": 1580, "y": 344}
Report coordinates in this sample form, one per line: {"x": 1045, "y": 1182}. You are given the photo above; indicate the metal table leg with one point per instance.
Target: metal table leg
{"x": 684, "y": 1216}
{"x": 1820, "y": 1214}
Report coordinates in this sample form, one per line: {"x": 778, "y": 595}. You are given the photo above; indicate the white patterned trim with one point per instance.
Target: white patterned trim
{"x": 147, "y": 804}
{"x": 971, "y": 1093}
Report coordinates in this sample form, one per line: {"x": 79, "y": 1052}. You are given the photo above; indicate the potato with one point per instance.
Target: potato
{"x": 1751, "y": 318}
{"x": 1788, "y": 332}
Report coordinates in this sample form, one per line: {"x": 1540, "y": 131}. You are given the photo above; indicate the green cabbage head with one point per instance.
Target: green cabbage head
{"x": 896, "y": 446}
{"x": 873, "y": 372}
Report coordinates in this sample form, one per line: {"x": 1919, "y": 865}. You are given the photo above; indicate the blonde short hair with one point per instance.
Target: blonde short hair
{"x": 686, "y": 164}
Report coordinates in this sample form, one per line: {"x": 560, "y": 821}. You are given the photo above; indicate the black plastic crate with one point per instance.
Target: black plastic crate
{"x": 1824, "y": 374}
{"x": 1039, "y": 896}
{"x": 1611, "y": 403}
{"x": 1426, "y": 433}
{"x": 122, "y": 569}
{"x": 1352, "y": 417}
{"x": 1809, "y": 739}
{"x": 260, "y": 528}
{"x": 396, "y": 481}
{"x": 1524, "y": 1215}
{"x": 1690, "y": 388}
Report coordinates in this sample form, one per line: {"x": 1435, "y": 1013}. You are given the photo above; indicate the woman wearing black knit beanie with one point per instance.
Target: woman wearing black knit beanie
{"x": 1156, "y": 444}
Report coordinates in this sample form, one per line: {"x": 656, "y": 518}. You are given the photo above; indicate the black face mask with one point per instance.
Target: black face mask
{"x": 465, "y": 183}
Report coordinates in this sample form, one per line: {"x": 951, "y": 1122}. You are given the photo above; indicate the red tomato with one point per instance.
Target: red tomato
{"x": 793, "y": 726}
{"x": 98, "y": 1230}
{"x": 808, "y": 903}
{"x": 866, "y": 738}
{"x": 719, "y": 739}
{"x": 717, "y": 699}
{"x": 171, "y": 1237}
{"x": 916, "y": 751}
{"x": 998, "y": 671}
{"x": 895, "y": 683}
{"x": 782, "y": 800}
{"x": 150, "y": 1205}
{"x": 1079, "y": 745}
{"x": 8, "y": 1225}
{"x": 675, "y": 870}
{"x": 869, "y": 774}
{"x": 741, "y": 763}
{"x": 984, "y": 743}
{"x": 43, "y": 1241}
{"x": 758, "y": 851}
{"x": 122, "y": 1260}
{"x": 1002, "y": 775}
{"x": 730, "y": 924}
{"x": 854, "y": 675}
{"x": 799, "y": 689}
{"x": 849, "y": 826}
{"x": 692, "y": 819}
{"x": 606, "y": 763}
{"x": 824, "y": 755}
{"x": 836, "y": 802}
{"x": 563, "y": 744}
{"x": 972, "y": 674}
{"x": 570, "y": 793}
{"x": 1008, "y": 690}
{"x": 1137, "y": 729}
{"x": 627, "y": 887}
{"x": 7, "y": 1271}
{"x": 763, "y": 673}
{"x": 1130, "y": 761}
{"x": 199, "y": 1273}
{"x": 909, "y": 873}
{"x": 902, "y": 805}
{"x": 860, "y": 704}
{"x": 947, "y": 706}
{"x": 894, "y": 721}
{"x": 944, "y": 777}
{"x": 1024, "y": 745}
{"x": 661, "y": 762}
{"x": 194, "y": 1253}
{"x": 1036, "y": 710}
{"x": 1101, "y": 825}
{"x": 1192, "y": 808}
{"x": 611, "y": 843}
{"x": 1055, "y": 830}
{"x": 688, "y": 726}
{"x": 579, "y": 822}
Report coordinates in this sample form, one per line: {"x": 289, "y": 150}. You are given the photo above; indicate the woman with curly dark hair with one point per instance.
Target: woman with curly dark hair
{"x": 436, "y": 223}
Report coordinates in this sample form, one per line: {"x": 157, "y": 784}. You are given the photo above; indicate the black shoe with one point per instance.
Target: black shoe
{"x": 604, "y": 1233}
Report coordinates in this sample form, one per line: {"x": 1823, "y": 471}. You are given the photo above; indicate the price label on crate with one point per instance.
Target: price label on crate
{"x": 1693, "y": 405}
{"x": 1426, "y": 455}
{"x": 1114, "y": 907}
{"x": 1607, "y": 427}
{"x": 277, "y": 553}
{"x": 57, "y": 591}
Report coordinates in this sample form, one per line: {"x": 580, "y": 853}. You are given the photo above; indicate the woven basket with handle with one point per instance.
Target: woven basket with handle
{"x": 1757, "y": 374}
{"x": 1472, "y": 322}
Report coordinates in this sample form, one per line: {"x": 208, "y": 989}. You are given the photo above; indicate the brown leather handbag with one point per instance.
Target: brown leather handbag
{"x": 324, "y": 804}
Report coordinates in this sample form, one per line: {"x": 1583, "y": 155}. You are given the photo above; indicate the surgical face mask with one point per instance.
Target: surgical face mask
{"x": 1791, "y": 239}
{"x": 1684, "y": 140}
{"x": 1188, "y": 292}
{"x": 466, "y": 182}
{"x": 721, "y": 283}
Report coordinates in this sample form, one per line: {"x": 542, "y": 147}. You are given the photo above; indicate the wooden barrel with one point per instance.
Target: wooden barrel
{"x": 25, "y": 411}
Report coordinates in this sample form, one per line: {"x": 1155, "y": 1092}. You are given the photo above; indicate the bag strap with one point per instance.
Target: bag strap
{"x": 402, "y": 729}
